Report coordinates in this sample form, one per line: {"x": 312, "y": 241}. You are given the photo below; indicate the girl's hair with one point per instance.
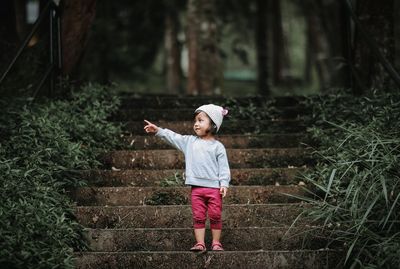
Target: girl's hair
{"x": 213, "y": 126}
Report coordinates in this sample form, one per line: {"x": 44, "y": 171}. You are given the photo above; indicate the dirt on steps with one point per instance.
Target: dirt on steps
{"x": 138, "y": 142}
{"x": 187, "y": 114}
{"x": 180, "y": 216}
{"x": 295, "y": 259}
{"x": 180, "y": 239}
{"x": 148, "y": 178}
{"x": 118, "y": 196}
{"x": 238, "y": 158}
{"x": 230, "y": 127}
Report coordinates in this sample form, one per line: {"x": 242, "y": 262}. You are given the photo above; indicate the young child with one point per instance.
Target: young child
{"x": 207, "y": 170}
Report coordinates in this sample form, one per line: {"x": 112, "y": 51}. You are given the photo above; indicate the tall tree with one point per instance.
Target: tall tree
{"x": 205, "y": 73}
{"x": 262, "y": 46}
{"x": 335, "y": 26}
{"x": 172, "y": 48}
{"x": 375, "y": 17}
{"x": 105, "y": 46}
{"x": 317, "y": 43}
{"x": 280, "y": 53}
{"x": 77, "y": 17}
{"x": 309, "y": 56}
{"x": 345, "y": 72}
{"x": 396, "y": 11}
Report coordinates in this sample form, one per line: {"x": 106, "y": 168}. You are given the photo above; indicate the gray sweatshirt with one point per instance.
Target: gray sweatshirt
{"x": 206, "y": 160}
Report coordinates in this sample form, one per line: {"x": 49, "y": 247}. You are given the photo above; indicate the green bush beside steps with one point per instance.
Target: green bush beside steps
{"x": 357, "y": 176}
{"x": 42, "y": 144}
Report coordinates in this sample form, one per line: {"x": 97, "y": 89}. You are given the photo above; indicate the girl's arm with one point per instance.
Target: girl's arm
{"x": 223, "y": 166}
{"x": 176, "y": 140}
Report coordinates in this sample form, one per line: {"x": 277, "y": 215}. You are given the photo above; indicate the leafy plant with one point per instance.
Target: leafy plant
{"x": 171, "y": 197}
{"x": 43, "y": 146}
{"x": 250, "y": 111}
{"x": 356, "y": 180}
{"x": 174, "y": 180}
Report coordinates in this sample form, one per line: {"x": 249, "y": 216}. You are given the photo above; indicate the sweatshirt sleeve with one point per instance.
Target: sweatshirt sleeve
{"x": 178, "y": 141}
{"x": 224, "y": 173}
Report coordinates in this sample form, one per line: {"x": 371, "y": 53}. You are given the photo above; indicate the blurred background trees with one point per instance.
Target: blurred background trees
{"x": 232, "y": 47}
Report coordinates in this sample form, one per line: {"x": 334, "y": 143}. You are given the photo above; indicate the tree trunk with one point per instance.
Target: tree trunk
{"x": 376, "y": 17}
{"x": 192, "y": 22}
{"x": 262, "y": 47}
{"x": 396, "y": 31}
{"x": 172, "y": 51}
{"x": 104, "y": 11}
{"x": 345, "y": 32}
{"x": 205, "y": 74}
{"x": 280, "y": 53}
{"x": 335, "y": 25}
{"x": 77, "y": 17}
{"x": 309, "y": 56}
{"x": 318, "y": 43}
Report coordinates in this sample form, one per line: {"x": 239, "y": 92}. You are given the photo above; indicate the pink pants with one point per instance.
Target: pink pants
{"x": 204, "y": 199}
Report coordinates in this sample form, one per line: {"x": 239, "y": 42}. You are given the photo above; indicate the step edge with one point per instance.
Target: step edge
{"x": 219, "y": 253}
{"x": 276, "y": 205}
{"x": 188, "y": 187}
{"x": 254, "y": 228}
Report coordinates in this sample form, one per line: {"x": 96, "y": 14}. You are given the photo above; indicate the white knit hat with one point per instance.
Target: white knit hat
{"x": 216, "y": 113}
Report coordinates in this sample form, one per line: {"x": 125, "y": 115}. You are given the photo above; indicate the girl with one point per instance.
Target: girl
{"x": 207, "y": 170}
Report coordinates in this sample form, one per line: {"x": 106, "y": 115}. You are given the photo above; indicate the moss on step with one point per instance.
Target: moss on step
{"x": 166, "y": 198}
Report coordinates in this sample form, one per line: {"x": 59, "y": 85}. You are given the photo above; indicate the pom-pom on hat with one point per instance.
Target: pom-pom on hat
{"x": 216, "y": 113}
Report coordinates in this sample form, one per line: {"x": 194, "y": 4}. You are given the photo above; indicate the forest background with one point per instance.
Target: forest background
{"x": 210, "y": 47}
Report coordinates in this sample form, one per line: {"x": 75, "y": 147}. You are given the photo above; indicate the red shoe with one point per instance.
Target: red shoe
{"x": 199, "y": 247}
{"x": 217, "y": 246}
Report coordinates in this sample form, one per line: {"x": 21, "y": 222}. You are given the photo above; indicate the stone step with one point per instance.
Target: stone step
{"x": 180, "y": 216}
{"x": 131, "y": 196}
{"x": 238, "y": 158}
{"x": 187, "y": 114}
{"x": 278, "y": 259}
{"x": 147, "y": 178}
{"x": 229, "y": 141}
{"x": 234, "y": 239}
{"x": 228, "y": 127}
{"x": 196, "y": 101}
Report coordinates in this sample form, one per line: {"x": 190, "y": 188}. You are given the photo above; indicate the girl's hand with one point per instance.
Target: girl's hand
{"x": 150, "y": 127}
{"x": 223, "y": 191}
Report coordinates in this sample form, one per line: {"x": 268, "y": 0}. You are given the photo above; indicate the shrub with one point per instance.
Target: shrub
{"x": 357, "y": 175}
{"x": 43, "y": 146}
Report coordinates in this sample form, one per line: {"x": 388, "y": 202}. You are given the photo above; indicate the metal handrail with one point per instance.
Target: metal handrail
{"x": 52, "y": 11}
{"x": 373, "y": 46}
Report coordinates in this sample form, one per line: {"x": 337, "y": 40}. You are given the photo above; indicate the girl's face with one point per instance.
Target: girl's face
{"x": 202, "y": 124}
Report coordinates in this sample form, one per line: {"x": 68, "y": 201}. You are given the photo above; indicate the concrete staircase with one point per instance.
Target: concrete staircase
{"x": 137, "y": 218}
